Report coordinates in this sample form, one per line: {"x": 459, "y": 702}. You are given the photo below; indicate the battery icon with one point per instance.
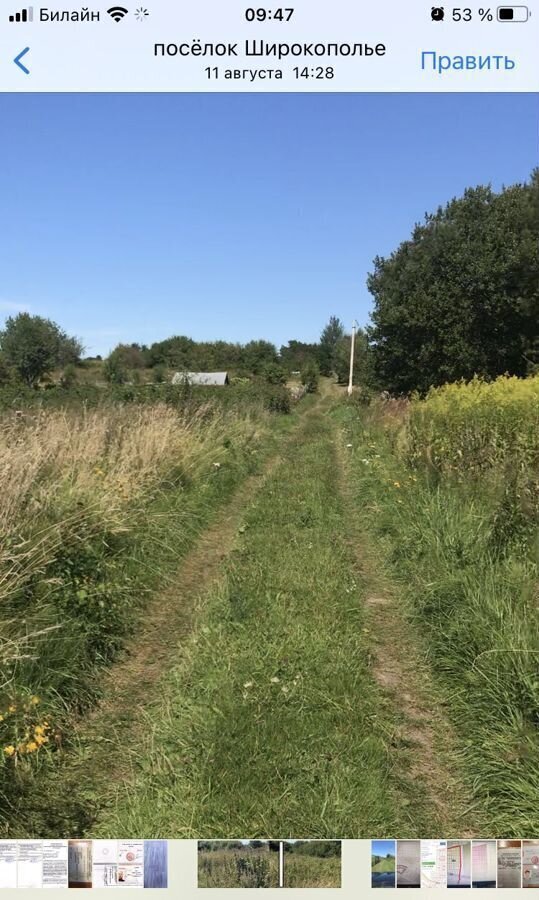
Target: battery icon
{"x": 513, "y": 14}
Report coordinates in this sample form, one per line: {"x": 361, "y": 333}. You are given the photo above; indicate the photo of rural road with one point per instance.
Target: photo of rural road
{"x": 269, "y": 473}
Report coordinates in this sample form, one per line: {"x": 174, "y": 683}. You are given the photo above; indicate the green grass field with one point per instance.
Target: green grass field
{"x": 312, "y": 864}
{"x": 311, "y": 872}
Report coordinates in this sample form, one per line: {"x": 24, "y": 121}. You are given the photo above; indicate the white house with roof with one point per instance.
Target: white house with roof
{"x": 217, "y": 379}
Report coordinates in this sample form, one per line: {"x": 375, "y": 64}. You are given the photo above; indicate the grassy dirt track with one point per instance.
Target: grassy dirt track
{"x": 400, "y": 669}
{"x": 273, "y": 720}
{"x": 272, "y": 689}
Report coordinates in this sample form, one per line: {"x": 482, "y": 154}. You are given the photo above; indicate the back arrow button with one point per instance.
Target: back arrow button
{"x": 18, "y": 62}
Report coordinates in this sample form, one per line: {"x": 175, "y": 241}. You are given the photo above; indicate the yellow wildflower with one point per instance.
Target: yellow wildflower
{"x": 12, "y": 709}
{"x": 34, "y": 700}
{"x": 31, "y": 746}
{"x": 397, "y": 484}
{"x": 9, "y": 750}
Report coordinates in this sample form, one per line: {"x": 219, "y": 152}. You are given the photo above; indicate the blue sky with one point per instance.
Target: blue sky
{"x": 382, "y": 848}
{"x": 133, "y": 217}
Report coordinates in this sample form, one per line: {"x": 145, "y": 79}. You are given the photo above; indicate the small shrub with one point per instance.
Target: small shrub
{"x": 310, "y": 376}
{"x": 114, "y": 371}
{"x": 364, "y": 396}
{"x": 278, "y": 400}
{"x": 69, "y": 377}
{"x": 274, "y": 374}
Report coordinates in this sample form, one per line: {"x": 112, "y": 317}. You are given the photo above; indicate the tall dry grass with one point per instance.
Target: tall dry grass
{"x": 103, "y": 458}
{"x": 78, "y": 489}
{"x": 60, "y": 470}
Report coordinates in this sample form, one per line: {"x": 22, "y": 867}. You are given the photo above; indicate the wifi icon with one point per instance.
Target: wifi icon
{"x": 117, "y": 12}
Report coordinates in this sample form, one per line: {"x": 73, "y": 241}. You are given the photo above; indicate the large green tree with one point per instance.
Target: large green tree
{"x": 256, "y": 355}
{"x": 5, "y": 373}
{"x": 123, "y": 363}
{"x": 329, "y": 339}
{"x": 184, "y": 354}
{"x": 128, "y": 356}
{"x": 309, "y": 376}
{"x": 175, "y": 352}
{"x": 461, "y": 296}
{"x": 33, "y": 346}
{"x": 295, "y": 354}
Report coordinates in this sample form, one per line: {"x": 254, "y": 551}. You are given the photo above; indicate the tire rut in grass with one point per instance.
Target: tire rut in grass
{"x": 400, "y": 669}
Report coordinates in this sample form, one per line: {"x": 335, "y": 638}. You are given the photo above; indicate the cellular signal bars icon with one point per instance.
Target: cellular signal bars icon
{"x": 26, "y": 15}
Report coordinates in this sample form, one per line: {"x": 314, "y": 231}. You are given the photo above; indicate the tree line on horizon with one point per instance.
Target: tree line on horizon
{"x": 319, "y": 848}
{"x": 458, "y": 298}
{"x": 32, "y": 346}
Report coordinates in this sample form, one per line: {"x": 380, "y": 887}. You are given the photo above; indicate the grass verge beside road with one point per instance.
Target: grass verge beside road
{"x": 471, "y": 601}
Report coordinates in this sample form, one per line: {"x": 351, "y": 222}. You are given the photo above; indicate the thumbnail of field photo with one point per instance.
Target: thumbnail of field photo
{"x": 237, "y": 864}
{"x": 312, "y": 864}
{"x": 269, "y": 471}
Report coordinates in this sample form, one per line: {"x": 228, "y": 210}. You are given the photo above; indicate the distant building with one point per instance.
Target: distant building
{"x": 201, "y": 378}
